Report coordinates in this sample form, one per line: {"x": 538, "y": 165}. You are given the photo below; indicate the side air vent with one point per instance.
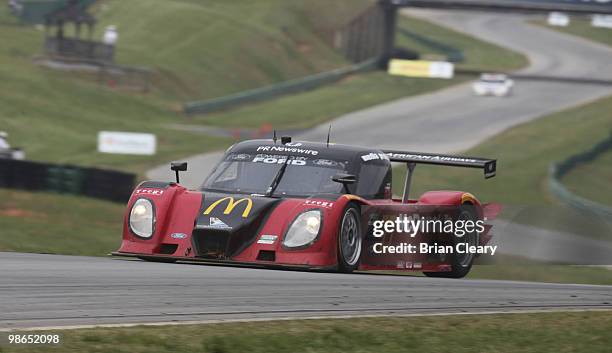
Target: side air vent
{"x": 266, "y": 255}
{"x": 168, "y": 249}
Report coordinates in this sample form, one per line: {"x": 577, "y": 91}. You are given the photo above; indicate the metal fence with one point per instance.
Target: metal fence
{"x": 79, "y": 49}
{"x": 67, "y": 179}
{"x": 558, "y": 170}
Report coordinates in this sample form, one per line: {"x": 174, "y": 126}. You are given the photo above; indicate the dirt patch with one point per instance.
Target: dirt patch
{"x": 20, "y": 213}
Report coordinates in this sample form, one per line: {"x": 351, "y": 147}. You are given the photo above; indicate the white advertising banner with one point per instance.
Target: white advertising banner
{"x": 602, "y": 21}
{"x": 126, "y": 143}
{"x": 558, "y": 19}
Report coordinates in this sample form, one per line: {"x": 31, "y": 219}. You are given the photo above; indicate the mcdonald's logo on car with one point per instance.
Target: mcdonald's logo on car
{"x": 231, "y": 204}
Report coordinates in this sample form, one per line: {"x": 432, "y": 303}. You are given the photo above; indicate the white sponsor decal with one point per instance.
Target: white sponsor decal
{"x": 374, "y": 156}
{"x": 178, "y": 235}
{"x": 240, "y": 157}
{"x": 325, "y": 162}
{"x": 431, "y": 158}
{"x": 268, "y": 239}
{"x": 289, "y": 149}
{"x": 278, "y": 159}
{"x": 148, "y": 191}
{"x": 217, "y": 223}
{"x": 126, "y": 143}
{"x": 326, "y": 204}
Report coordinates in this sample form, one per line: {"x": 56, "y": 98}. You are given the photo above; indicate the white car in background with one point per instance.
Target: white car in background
{"x": 498, "y": 85}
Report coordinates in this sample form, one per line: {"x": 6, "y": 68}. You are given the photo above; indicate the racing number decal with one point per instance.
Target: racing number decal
{"x": 231, "y": 204}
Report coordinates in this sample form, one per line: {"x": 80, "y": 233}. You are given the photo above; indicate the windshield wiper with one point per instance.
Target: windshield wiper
{"x": 277, "y": 178}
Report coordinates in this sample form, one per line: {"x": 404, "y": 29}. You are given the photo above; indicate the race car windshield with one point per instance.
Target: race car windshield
{"x": 253, "y": 173}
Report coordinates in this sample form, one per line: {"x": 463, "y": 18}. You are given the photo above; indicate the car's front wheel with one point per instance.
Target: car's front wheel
{"x": 349, "y": 240}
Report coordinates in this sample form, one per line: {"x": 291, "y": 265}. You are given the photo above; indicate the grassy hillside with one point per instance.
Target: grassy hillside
{"x": 202, "y": 48}
{"x": 206, "y": 48}
{"x": 516, "y": 333}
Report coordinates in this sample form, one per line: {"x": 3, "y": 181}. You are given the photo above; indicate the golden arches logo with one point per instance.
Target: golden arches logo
{"x": 231, "y": 204}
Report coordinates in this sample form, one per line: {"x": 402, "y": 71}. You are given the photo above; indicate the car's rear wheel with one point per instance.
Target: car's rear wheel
{"x": 461, "y": 264}
{"x": 349, "y": 240}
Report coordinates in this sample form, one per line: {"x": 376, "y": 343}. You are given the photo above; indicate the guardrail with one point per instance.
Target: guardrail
{"x": 66, "y": 179}
{"x": 268, "y": 92}
{"x": 558, "y": 170}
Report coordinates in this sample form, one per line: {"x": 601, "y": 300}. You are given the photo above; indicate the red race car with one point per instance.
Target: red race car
{"x": 303, "y": 205}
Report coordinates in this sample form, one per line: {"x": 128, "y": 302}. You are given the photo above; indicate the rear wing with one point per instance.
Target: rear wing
{"x": 489, "y": 166}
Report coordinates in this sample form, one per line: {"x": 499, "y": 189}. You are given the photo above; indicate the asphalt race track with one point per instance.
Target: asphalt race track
{"x": 48, "y": 290}
{"x": 51, "y": 290}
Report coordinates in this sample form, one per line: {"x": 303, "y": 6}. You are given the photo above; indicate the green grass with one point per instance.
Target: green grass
{"x": 543, "y": 273}
{"x": 524, "y": 154}
{"x": 516, "y": 268}
{"x": 209, "y": 48}
{"x": 582, "y": 27}
{"x": 516, "y": 333}
{"x": 58, "y": 224}
{"x": 592, "y": 180}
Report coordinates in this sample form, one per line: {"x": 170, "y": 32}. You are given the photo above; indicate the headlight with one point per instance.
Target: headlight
{"x": 142, "y": 218}
{"x": 303, "y": 230}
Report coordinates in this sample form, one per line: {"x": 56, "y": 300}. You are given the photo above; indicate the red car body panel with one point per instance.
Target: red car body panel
{"x": 176, "y": 209}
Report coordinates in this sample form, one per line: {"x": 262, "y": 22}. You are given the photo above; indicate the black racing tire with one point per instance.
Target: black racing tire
{"x": 350, "y": 239}
{"x": 157, "y": 259}
{"x": 461, "y": 264}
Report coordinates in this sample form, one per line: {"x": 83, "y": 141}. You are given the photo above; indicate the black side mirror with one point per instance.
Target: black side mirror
{"x": 178, "y": 167}
{"x": 345, "y": 179}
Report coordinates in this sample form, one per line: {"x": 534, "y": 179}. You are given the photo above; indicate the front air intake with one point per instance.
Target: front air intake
{"x": 211, "y": 243}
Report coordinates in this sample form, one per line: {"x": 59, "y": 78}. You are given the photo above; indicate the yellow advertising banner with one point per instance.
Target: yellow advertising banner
{"x": 421, "y": 68}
